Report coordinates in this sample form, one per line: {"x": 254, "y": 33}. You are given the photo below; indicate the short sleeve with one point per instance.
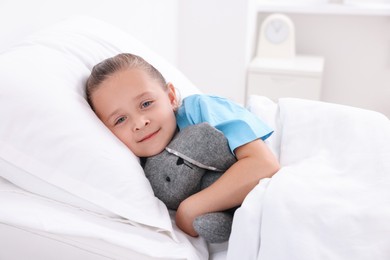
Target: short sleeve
{"x": 237, "y": 123}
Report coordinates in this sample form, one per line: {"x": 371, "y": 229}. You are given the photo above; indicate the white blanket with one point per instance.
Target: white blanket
{"x": 331, "y": 198}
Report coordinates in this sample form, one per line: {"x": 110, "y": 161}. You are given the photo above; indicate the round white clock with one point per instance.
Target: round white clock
{"x": 276, "y": 37}
{"x": 277, "y": 31}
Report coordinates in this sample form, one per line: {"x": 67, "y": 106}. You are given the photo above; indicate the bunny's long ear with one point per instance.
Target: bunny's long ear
{"x": 204, "y": 146}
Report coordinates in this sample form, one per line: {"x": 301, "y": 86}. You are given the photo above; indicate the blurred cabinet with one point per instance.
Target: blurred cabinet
{"x": 299, "y": 77}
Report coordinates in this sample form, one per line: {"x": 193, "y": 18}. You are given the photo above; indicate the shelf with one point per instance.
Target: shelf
{"x": 326, "y": 8}
{"x": 302, "y": 65}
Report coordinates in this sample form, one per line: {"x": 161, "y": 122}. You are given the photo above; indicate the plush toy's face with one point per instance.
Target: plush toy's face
{"x": 177, "y": 172}
{"x": 172, "y": 178}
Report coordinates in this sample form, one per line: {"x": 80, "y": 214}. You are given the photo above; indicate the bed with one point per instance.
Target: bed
{"x": 70, "y": 190}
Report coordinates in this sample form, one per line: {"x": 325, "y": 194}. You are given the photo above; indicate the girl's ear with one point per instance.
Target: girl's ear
{"x": 172, "y": 96}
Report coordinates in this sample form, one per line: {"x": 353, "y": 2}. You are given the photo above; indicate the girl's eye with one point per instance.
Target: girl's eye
{"x": 146, "y": 104}
{"x": 120, "y": 120}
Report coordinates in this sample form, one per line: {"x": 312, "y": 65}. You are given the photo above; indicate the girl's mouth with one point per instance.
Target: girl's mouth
{"x": 148, "y": 137}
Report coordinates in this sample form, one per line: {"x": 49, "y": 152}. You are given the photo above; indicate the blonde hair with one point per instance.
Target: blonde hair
{"x": 101, "y": 71}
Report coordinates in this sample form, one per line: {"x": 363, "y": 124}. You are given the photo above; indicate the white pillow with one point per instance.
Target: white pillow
{"x": 52, "y": 144}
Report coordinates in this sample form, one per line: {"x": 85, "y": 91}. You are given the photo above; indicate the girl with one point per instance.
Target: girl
{"x": 134, "y": 101}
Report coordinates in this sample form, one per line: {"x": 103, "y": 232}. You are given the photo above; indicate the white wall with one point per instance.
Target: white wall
{"x": 154, "y": 22}
{"x": 213, "y": 45}
{"x": 214, "y": 37}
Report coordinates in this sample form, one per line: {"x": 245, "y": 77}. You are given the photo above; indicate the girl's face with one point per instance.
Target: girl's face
{"x": 138, "y": 110}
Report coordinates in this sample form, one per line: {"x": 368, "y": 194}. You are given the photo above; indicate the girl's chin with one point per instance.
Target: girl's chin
{"x": 151, "y": 152}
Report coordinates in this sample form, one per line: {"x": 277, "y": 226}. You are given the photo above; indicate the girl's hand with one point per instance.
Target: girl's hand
{"x": 254, "y": 162}
{"x": 185, "y": 216}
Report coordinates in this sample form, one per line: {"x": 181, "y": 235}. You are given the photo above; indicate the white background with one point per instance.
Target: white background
{"x": 212, "y": 42}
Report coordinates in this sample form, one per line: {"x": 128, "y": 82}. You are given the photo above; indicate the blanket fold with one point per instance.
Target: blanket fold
{"x": 331, "y": 198}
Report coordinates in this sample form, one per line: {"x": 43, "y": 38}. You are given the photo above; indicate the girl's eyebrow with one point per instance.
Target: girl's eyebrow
{"x": 140, "y": 96}
{"x": 116, "y": 111}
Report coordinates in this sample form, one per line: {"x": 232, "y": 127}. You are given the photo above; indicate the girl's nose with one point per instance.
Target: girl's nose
{"x": 141, "y": 123}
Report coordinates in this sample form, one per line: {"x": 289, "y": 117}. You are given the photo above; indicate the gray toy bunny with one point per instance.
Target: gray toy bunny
{"x": 196, "y": 157}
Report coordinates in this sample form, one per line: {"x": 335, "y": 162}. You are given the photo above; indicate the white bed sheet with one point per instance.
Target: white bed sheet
{"x": 331, "y": 198}
{"x": 44, "y": 216}
{"x": 18, "y": 243}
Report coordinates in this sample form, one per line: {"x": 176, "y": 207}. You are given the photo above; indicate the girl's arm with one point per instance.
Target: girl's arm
{"x": 254, "y": 162}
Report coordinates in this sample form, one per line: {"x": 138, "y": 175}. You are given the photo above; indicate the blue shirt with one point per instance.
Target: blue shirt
{"x": 238, "y": 124}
